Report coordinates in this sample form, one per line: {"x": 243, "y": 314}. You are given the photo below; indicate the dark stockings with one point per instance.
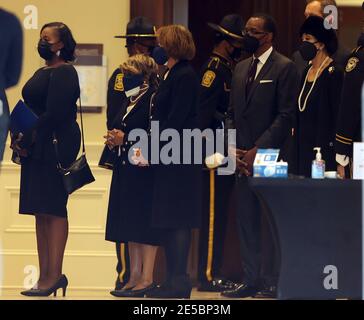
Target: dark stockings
{"x": 52, "y": 234}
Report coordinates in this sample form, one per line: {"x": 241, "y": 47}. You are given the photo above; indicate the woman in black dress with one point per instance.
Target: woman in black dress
{"x": 52, "y": 94}
{"x": 177, "y": 187}
{"x": 130, "y": 204}
{"x": 319, "y": 97}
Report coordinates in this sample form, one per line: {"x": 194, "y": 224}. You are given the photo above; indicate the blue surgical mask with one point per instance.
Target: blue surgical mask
{"x": 132, "y": 84}
{"x": 160, "y": 55}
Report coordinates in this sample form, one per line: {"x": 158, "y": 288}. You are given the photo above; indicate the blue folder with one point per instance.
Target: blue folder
{"x": 22, "y": 118}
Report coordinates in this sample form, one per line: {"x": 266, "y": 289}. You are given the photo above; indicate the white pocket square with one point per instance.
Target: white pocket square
{"x": 266, "y": 81}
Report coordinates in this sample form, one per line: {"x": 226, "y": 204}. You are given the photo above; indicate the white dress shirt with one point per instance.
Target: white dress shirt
{"x": 262, "y": 60}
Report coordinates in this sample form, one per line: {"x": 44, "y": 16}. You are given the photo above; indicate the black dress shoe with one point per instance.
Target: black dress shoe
{"x": 268, "y": 292}
{"x": 136, "y": 293}
{"x": 178, "y": 288}
{"x": 216, "y": 285}
{"x": 241, "y": 291}
{"x": 120, "y": 293}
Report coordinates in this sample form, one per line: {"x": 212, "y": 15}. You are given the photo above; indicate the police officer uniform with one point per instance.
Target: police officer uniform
{"x": 137, "y": 28}
{"x": 215, "y": 86}
{"x": 349, "y": 122}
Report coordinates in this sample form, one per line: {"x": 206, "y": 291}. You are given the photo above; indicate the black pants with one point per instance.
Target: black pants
{"x": 123, "y": 265}
{"x": 223, "y": 190}
{"x": 260, "y": 259}
{"x": 176, "y": 243}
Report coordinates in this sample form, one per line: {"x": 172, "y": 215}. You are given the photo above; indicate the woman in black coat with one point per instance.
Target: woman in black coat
{"x": 320, "y": 95}
{"x": 177, "y": 193}
{"x": 130, "y": 205}
{"x": 52, "y": 94}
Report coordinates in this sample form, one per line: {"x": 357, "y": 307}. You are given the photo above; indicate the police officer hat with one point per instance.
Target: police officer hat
{"x": 139, "y": 27}
{"x": 315, "y": 26}
{"x": 231, "y": 25}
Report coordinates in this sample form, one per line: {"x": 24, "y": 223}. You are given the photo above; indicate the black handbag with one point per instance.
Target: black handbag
{"x": 108, "y": 158}
{"x": 79, "y": 173}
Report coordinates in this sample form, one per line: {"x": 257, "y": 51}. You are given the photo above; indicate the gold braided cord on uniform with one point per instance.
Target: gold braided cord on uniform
{"x": 123, "y": 261}
{"x": 211, "y": 227}
{"x": 344, "y": 142}
{"x": 343, "y": 138}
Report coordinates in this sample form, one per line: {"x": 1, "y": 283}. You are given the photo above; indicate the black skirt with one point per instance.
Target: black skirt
{"x": 130, "y": 206}
{"x": 41, "y": 189}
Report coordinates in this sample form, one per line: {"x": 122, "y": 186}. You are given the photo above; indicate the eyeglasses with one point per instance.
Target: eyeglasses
{"x": 253, "y": 32}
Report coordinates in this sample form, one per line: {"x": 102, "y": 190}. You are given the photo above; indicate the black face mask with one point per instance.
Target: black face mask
{"x": 250, "y": 44}
{"x": 308, "y": 51}
{"x": 159, "y": 55}
{"x": 361, "y": 40}
{"x": 236, "y": 54}
{"x": 149, "y": 48}
{"x": 44, "y": 50}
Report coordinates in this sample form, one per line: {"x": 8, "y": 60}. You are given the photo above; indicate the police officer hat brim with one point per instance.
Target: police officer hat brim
{"x": 225, "y": 32}
{"x": 137, "y": 36}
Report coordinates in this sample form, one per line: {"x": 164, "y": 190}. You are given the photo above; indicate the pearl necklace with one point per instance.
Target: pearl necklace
{"x": 303, "y": 108}
{"x": 143, "y": 91}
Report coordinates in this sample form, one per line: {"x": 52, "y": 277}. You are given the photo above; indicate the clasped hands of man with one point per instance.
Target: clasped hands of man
{"x": 244, "y": 160}
{"x": 115, "y": 138}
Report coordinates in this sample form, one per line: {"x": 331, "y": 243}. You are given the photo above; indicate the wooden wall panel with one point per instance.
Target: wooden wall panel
{"x": 287, "y": 13}
{"x": 160, "y": 12}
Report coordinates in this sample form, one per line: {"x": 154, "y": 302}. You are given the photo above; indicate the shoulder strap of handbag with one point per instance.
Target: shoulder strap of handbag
{"x": 82, "y": 132}
{"x": 55, "y": 141}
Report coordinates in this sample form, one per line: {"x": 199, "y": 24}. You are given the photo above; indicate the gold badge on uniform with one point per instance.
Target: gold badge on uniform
{"x": 119, "y": 85}
{"x": 331, "y": 70}
{"x": 208, "y": 78}
{"x": 352, "y": 63}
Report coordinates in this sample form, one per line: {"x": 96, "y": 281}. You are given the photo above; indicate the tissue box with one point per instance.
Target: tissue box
{"x": 266, "y": 165}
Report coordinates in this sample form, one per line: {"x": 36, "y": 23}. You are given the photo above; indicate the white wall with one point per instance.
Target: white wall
{"x": 90, "y": 261}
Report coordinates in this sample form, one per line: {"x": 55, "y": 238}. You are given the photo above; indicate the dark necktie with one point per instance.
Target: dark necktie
{"x": 251, "y": 75}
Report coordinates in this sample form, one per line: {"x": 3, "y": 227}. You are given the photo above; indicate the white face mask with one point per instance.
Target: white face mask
{"x": 133, "y": 92}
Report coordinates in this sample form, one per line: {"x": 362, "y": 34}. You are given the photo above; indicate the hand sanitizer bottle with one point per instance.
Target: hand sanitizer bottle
{"x": 318, "y": 166}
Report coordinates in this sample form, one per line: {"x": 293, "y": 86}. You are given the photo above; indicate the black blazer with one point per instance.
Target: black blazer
{"x": 264, "y": 118}
{"x": 177, "y": 193}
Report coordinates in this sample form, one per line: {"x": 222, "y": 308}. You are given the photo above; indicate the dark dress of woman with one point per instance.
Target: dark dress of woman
{"x": 316, "y": 125}
{"x": 130, "y": 202}
{"x": 52, "y": 94}
{"x": 177, "y": 187}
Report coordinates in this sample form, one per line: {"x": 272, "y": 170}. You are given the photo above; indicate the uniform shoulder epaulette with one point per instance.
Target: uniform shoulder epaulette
{"x": 358, "y": 49}
{"x": 214, "y": 63}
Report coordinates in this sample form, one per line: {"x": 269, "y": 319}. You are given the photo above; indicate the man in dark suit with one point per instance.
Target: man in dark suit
{"x": 316, "y": 8}
{"x": 140, "y": 39}
{"x": 263, "y": 98}
{"x": 11, "y": 56}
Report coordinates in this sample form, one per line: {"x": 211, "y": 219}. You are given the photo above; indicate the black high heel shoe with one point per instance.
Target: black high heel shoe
{"x": 62, "y": 283}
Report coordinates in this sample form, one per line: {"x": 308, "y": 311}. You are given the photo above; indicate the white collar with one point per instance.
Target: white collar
{"x": 265, "y": 56}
